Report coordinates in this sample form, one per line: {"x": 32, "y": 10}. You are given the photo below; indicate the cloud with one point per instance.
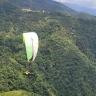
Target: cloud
{"x": 61, "y": 1}
{"x": 85, "y": 3}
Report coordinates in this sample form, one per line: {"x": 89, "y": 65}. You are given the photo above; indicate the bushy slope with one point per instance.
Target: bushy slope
{"x": 18, "y": 93}
{"x": 66, "y": 60}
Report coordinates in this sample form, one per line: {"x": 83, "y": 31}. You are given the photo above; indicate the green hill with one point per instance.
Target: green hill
{"x": 66, "y": 60}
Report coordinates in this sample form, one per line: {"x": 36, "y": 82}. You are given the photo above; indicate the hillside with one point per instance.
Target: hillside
{"x": 66, "y": 60}
{"x": 7, "y": 7}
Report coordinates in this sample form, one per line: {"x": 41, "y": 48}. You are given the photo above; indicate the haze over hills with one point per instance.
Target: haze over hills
{"x": 66, "y": 61}
{"x": 79, "y": 8}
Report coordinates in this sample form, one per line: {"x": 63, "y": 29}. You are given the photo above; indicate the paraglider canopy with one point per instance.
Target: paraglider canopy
{"x": 31, "y": 44}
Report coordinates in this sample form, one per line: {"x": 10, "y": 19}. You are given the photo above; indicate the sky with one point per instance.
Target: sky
{"x": 85, "y": 3}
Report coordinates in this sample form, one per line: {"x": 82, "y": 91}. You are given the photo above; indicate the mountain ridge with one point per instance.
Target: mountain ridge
{"x": 42, "y": 5}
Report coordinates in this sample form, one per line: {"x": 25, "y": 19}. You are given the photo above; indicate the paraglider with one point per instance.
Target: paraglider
{"x": 28, "y": 73}
{"x": 31, "y": 43}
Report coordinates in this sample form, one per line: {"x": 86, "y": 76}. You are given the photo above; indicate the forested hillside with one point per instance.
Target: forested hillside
{"x": 66, "y": 60}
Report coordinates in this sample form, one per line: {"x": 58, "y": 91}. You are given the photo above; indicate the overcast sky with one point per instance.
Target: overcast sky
{"x": 85, "y": 3}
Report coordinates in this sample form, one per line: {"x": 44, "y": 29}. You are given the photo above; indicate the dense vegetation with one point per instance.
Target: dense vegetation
{"x": 66, "y": 60}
